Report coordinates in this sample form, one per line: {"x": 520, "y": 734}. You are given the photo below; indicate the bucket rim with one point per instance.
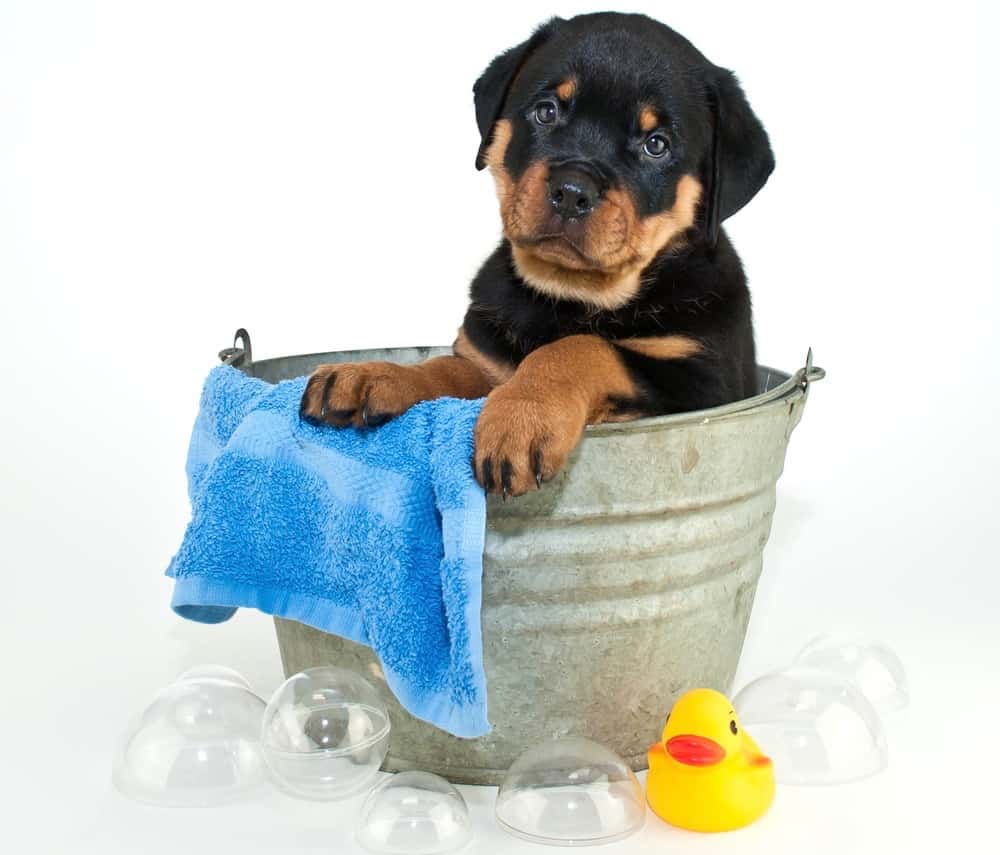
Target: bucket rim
{"x": 794, "y": 385}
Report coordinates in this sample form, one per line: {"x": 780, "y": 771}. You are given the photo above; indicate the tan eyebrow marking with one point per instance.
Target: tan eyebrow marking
{"x": 567, "y": 89}
{"x": 648, "y": 119}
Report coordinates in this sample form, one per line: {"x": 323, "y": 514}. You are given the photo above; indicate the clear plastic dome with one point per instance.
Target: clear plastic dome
{"x": 570, "y": 792}
{"x": 816, "y": 726}
{"x": 219, "y": 673}
{"x": 325, "y": 734}
{"x": 414, "y": 813}
{"x": 872, "y": 665}
{"x": 196, "y": 745}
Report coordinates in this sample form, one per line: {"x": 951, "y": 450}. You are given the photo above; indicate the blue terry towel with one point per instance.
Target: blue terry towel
{"x": 373, "y": 535}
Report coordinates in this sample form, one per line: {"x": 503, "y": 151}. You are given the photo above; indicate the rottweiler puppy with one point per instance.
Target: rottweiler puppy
{"x": 617, "y": 150}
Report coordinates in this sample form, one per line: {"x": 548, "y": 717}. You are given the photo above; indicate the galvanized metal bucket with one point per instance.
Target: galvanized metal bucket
{"x": 624, "y": 582}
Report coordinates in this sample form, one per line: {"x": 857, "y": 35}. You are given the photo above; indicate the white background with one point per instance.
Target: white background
{"x": 170, "y": 171}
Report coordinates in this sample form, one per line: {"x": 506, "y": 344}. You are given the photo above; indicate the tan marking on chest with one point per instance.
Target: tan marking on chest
{"x": 663, "y": 347}
{"x": 493, "y": 370}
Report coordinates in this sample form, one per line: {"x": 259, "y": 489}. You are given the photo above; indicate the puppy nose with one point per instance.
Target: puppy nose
{"x": 572, "y": 193}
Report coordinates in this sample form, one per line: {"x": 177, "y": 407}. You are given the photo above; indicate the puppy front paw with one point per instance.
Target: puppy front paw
{"x": 363, "y": 394}
{"x": 522, "y": 441}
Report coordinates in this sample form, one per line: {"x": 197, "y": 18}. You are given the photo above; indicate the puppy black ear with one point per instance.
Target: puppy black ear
{"x": 741, "y": 158}
{"x": 490, "y": 90}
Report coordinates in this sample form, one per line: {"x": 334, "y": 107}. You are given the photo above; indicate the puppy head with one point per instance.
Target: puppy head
{"x": 611, "y": 140}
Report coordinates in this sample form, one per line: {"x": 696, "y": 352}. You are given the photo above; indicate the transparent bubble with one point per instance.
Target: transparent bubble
{"x": 570, "y": 792}
{"x": 325, "y": 734}
{"x": 414, "y": 813}
{"x": 816, "y": 726}
{"x": 872, "y": 665}
{"x": 196, "y": 745}
{"x": 219, "y": 673}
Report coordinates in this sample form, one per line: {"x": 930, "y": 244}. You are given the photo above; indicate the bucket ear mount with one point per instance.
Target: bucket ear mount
{"x": 240, "y": 355}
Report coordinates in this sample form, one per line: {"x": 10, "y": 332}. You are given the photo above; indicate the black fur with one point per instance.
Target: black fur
{"x": 622, "y": 62}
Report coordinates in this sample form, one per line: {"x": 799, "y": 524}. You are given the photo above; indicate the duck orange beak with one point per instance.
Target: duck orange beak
{"x": 694, "y": 750}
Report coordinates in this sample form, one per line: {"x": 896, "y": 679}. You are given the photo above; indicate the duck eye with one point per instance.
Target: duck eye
{"x": 546, "y": 112}
{"x": 656, "y": 145}
{"x": 732, "y": 727}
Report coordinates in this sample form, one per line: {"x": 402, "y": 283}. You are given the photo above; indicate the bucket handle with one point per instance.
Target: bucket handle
{"x": 808, "y": 373}
{"x": 239, "y": 356}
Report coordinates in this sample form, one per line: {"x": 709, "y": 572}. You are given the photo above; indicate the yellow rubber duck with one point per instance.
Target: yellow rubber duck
{"x": 707, "y": 774}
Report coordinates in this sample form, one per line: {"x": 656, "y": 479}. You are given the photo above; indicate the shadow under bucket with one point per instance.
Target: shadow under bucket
{"x": 619, "y": 585}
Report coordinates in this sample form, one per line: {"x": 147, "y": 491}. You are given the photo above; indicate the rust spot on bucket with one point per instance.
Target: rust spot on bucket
{"x": 690, "y": 459}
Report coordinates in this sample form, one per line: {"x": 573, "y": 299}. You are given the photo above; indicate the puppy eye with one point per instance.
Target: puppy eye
{"x": 546, "y": 112}
{"x": 656, "y": 145}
